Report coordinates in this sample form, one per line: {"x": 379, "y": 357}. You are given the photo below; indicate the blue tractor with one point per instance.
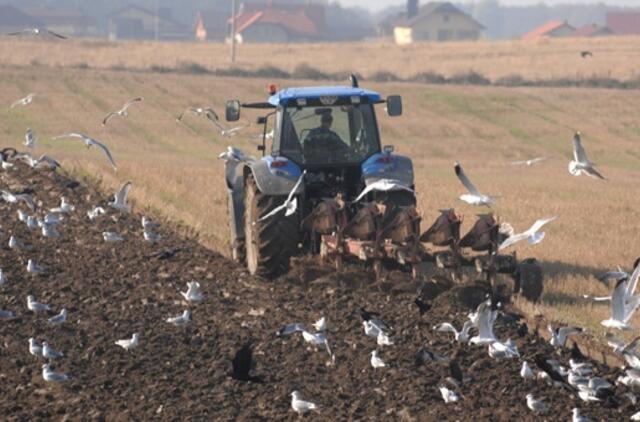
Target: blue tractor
{"x": 327, "y": 187}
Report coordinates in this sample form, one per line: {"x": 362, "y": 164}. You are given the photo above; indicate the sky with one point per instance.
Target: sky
{"x": 376, "y": 5}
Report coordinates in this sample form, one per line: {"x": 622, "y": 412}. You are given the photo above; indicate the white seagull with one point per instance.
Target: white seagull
{"x": 623, "y": 302}
{"x": 15, "y": 198}
{"x": 129, "y": 344}
{"x": 14, "y": 243}
{"x": 228, "y": 132}
{"x": 120, "y": 198}
{"x": 65, "y": 207}
{"x": 50, "y": 353}
{"x": 150, "y": 236}
{"x": 483, "y": 319}
{"x": 232, "y": 154}
{"x": 193, "y": 293}
{"x": 3, "y": 277}
{"x": 577, "y": 417}
{"x": 383, "y": 185}
{"x": 383, "y": 339}
{"x": 34, "y": 268}
{"x": 89, "y": 142}
{"x": 29, "y": 139}
{"x": 321, "y": 324}
{"x": 300, "y": 406}
{"x": 290, "y": 205}
{"x": 317, "y": 339}
{"x": 580, "y": 163}
{"x": 180, "y": 320}
{"x": 461, "y": 336}
{"x": 112, "y": 237}
{"x": 37, "y": 31}
{"x": 619, "y": 346}
{"x": 35, "y": 348}
{"x": 49, "y": 230}
{"x": 376, "y": 362}
{"x": 24, "y": 101}
{"x": 498, "y": 350}
{"x": 529, "y": 162}
{"x": 49, "y": 375}
{"x": 34, "y": 306}
{"x": 148, "y": 224}
{"x": 43, "y": 161}
{"x": 59, "y": 319}
{"x": 122, "y": 112}
{"x": 533, "y": 234}
{"x": 449, "y": 396}
{"x": 95, "y": 213}
{"x": 200, "y": 111}
{"x": 526, "y": 371}
{"x": 559, "y": 335}
{"x": 474, "y": 197}
{"x": 536, "y": 405}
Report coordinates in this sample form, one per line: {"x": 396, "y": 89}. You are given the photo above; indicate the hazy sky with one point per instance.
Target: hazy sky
{"x": 375, "y": 5}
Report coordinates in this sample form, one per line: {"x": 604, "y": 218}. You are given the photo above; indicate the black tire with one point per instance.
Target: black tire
{"x": 270, "y": 243}
{"x": 238, "y": 249}
{"x": 529, "y": 279}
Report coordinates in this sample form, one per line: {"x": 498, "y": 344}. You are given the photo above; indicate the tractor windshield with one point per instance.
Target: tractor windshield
{"x": 338, "y": 134}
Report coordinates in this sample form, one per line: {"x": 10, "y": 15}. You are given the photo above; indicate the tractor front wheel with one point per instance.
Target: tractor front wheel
{"x": 269, "y": 243}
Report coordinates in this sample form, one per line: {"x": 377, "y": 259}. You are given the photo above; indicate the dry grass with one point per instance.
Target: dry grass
{"x": 614, "y": 57}
{"x": 176, "y": 173}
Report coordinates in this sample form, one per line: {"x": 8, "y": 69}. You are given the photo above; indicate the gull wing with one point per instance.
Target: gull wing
{"x": 579, "y": 154}
{"x": 130, "y": 102}
{"x": 290, "y": 329}
{"x": 512, "y": 240}
{"x": 518, "y": 163}
{"x": 465, "y": 180}
{"x": 633, "y": 281}
{"x": 71, "y": 135}
{"x": 273, "y": 211}
{"x": 108, "y": 117}
{"x": 383, "y": 185}
{"x": 237, "y": 128}
{"x": 106, "y": 151}
{"x": 121, "y": 196}
{"x": 55, "y": 34}
{"x": 591, "y": 171}
{"x": 540, "y": 223}
{"x": 538, "y": 159}
{"x": 296, "y": 186}
{"x": 614, "y": 341}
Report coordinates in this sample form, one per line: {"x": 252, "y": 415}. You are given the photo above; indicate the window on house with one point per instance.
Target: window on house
{"x": 445, "y": 34}
{"x": 445, "y": 18}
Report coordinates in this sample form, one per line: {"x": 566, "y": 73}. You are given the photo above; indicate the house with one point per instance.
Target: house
{"x": 592, "y": 30}
{"x": 553, "y": 29}
{"x": 624, "y": 23}
{"x": 437, "y": 21}
{"x": 14, "y": 20}
{"x": 275, "y": 24}
{"x": 133, "y": 22}
{"x": 68, "y": 22}
{"x": 211, "y": 24}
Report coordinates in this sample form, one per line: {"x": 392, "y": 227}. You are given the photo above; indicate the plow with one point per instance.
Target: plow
{"x": 330, "y": 188}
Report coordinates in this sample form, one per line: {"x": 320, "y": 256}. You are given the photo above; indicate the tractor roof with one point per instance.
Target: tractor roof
{"x": 285, "y": 96}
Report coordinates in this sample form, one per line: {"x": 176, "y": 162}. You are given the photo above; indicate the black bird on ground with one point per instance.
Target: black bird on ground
{"x": 374, "y": 318}
{"x": 423, "y": 307}
{"x": 586, "y": 54}
{"x": 242, "y": 365}
{"x": 541, "y": 362}
{"x": 523, "y": 330}
{"x": 576, "y": 354}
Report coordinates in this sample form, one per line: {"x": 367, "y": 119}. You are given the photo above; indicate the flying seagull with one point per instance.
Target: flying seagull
{"x": 122, "y": 112}
{"x": 129, "y": 344}
{"x": 533, "y": 234}
{"x": 290, "y": 205}
{"x": 232, "y": 154}
{"x": 580, "y": 163}
{"x": 227, "y": 132}
{"x": 37, "y": 31}
{"x": 89, "y": 142}
{"x": 559, "y": 335}
{"x": 474, "y": 197}
{"x": 49, "y": 162}
{"x": 300, "y": 406}
{"x": 483, "y": 319}
{"x": 529, "y": 162}
{"x": 619, "y": 346}
{"x": 49, "y": 375}
{"x": 383, "y": 185}
{"x": 193, "y": 293}
{"x": 95, "y": 213}
{"x": 623, "y": 302}
{"x": 29, "y": 139}
{"x": 200, "y": 111}
{"x": 23, "y": 101}
{"x": 14, "y": 198}
{"x": 120, "y": 198}
{"x": 461, "y": 336}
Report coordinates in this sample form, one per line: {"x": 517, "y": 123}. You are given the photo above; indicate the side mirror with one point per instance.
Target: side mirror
{"x": 232, "y": 111}
{"x": 394, "y": 105}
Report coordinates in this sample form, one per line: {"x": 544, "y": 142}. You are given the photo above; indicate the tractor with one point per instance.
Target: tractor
{"x": 329, "y": 187}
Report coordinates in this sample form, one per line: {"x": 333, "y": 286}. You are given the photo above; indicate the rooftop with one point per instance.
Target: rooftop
{"x": 283, "y": 97}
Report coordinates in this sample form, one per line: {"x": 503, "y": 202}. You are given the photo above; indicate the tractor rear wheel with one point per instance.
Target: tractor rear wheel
{"x": 529, "y": 279}
{"x": 269, "y": 243}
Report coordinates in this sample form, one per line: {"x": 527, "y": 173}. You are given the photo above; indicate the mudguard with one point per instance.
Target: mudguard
{"x": 385, "y": 165}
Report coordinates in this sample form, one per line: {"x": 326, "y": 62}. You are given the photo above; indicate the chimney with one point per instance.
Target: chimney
{"x": 412, "y": 8}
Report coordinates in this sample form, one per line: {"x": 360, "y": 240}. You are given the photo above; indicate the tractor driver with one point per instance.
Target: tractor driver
{"x": 322, "y": 141}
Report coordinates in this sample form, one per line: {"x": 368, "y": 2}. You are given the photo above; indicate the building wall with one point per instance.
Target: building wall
{"x": 563, "y": 31}
{"x": 265, "y": 33}
{"x": 445, "y": 27}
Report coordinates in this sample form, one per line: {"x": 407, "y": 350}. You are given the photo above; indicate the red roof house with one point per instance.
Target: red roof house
{"x": 593, "y": 30}
{"x": 551, "y": 29}
{"x": 624, "y": 23}
{"x": 274, "y": 25}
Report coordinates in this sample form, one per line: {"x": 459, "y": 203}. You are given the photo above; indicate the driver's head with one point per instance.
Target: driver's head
{"x": 326, "y": 121}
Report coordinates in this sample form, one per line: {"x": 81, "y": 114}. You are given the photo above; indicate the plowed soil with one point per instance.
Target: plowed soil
{"x": 114, "y": 289}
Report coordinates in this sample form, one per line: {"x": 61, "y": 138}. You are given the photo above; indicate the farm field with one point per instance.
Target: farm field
{"x": 613, "y": 57}
{"x": 112, "y": 290}
{"x": 176, "y": 174}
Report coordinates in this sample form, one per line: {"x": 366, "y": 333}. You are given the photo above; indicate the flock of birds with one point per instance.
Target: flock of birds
{"x": 578, "y": 377}
{"x": 48, "y": 162}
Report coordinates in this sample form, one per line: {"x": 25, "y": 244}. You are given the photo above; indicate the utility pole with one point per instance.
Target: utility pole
{"x": 233, "y": 31}
{"x": 157, "y": 23}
